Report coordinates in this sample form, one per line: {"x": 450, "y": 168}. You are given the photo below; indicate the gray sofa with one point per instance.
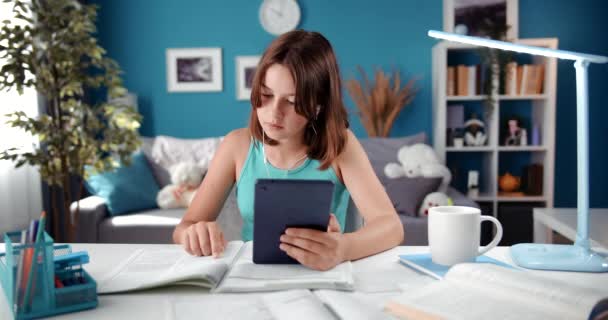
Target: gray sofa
{"x": 156, "y": 225}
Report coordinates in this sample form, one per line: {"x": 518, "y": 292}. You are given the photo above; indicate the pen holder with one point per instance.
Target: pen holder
{"x": 28, "y": 277}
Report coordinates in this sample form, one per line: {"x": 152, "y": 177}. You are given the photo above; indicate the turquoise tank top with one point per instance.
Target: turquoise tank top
{"x": 254, "y": 169}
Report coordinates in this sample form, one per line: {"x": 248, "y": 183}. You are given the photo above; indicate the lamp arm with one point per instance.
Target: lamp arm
{"x": 582, "y": 145}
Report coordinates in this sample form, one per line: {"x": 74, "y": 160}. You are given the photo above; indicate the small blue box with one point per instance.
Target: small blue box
{"x": 44, "y": 299}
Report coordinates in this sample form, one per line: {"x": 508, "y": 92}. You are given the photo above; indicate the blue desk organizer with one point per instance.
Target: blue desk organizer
{"x": 45, "y": 300}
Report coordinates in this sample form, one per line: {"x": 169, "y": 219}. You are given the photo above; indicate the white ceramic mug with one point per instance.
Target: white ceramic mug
{"x": 454, "y": 234}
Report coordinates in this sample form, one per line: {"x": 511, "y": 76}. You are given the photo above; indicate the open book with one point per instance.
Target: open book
{"x": 486, "y": 291}
{"x": 234, "y": 271}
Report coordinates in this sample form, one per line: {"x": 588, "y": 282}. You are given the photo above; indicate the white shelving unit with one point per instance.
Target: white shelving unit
{"x": 543, "y": 112}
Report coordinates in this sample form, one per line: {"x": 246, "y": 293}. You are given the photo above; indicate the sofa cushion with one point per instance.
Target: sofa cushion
{"x": 163, "y": 152}
{"x": 128, "y": 188}
{"x": 405, "y": 193}
{"x": 152, "y": 226}
{"x": 157, "y": 226}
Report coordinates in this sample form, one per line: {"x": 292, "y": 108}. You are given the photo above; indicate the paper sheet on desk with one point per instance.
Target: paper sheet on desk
{"x": 351, "y": 305}
{"x": 225, "y": 306}
{"x": 290, "y": 304}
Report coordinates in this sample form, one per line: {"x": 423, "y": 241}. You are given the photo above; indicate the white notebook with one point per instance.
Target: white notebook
{"x": 234, "y": 271}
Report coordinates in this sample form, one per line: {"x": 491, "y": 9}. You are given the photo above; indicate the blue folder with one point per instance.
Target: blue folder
{"x": 423, "y": 263}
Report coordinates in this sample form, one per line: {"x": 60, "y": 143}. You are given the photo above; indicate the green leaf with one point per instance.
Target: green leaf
{"x": 56, "y": 56}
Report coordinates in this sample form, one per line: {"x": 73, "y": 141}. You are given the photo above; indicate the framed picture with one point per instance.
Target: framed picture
{"x": 245, "y": 70}
{"x": 478, "y": 17}
{"x": 194, "y": 69}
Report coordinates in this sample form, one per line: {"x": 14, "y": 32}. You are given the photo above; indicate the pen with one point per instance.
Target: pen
{"x": 38, "y": 238}
{"x": 26, "y": 265}
{"x": 17, "y": 284}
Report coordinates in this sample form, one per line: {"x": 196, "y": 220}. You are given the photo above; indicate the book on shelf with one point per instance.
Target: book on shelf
{"x": 463, "y": 80}
{"x": 520, "y": 74}
{"x": 540, "y": 79}
{"x": 525, "y": 76}
{"x": 233, "y": 271}
{"x": 527, "y": 79}
{"x": 511, "y": 79}
{"x": 451, "y": 84}
{"x": 462, "y": 76}
{"x": 487, "y": 291}
{"x": 471, "y": 80}
{"x": 533, "y": 76}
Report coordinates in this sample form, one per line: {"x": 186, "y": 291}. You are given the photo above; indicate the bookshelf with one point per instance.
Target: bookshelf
{"x": 494, "y": 158}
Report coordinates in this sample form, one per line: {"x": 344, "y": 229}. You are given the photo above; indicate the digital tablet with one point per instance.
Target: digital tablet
{"x": 284, "y": 203}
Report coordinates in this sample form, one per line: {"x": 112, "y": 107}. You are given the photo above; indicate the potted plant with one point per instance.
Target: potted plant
{"x": 54, "y": 51}
{"x": 380, "y": 102}
{"x": 493, "y": 62}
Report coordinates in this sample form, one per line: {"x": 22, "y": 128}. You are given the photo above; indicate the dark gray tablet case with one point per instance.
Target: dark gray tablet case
{"x": 282, "y": 203}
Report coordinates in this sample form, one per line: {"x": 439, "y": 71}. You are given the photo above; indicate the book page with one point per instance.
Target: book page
{"x": 541, "y": 291}
{"x": 447, "y": 300}
{"x": 245, "y": 275}
{"x": 472, "y": 291}
{"x": 147, "y": 268}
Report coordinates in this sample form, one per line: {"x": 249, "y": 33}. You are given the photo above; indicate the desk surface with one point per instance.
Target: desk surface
{"x": 378, "y": 277}
{"x": 564, "y": 221}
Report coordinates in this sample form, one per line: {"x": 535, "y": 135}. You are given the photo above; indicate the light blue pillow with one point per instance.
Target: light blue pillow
{"x": 128, "y": 188}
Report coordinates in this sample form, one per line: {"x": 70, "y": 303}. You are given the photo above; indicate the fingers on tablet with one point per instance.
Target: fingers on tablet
{"x": 334, "y": 225}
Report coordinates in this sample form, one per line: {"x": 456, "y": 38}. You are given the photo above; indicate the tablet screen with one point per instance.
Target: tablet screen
{"x": 283, "y": 203}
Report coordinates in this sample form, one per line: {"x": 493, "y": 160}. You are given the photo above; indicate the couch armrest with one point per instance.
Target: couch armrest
{"x": 92, "y": 211}
{"x": 460, "y": 199}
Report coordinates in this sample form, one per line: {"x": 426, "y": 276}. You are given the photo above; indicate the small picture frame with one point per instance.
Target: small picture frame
{"x": 194, "y": 69}
{"x": 245, "y": 71}
{"x": 465, "y": 16}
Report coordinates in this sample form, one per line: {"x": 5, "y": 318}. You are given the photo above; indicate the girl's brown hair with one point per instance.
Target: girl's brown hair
{"x": 312, "y": 62}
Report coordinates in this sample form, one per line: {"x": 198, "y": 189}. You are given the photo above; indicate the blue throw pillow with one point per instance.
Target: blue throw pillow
{"x": 128, "y": 188}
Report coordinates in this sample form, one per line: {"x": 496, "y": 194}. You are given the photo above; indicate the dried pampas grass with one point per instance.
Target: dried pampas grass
{"x": 379, "y": 103}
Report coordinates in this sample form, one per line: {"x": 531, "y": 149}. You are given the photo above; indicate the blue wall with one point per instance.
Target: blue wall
{"x": 137, "y": 32}
{"x": 579, "y": 26}
{"x": 383, "y": 33}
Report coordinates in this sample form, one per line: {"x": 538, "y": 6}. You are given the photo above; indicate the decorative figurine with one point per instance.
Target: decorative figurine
{"x": 474, "y": 132}
{"x": 515, "y": 132}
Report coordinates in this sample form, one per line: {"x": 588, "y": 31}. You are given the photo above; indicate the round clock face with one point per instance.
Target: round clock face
{"x": 279, "y": 16}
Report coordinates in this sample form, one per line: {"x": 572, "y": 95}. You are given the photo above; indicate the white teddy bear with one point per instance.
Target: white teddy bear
{"x": 433, "y": 199}
{"x": 419, "y": 160}
{"x": 185, "y": 179}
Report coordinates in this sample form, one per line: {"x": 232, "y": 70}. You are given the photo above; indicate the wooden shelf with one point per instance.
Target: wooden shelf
{"x": 521, "y": 198}
{"x": 465, "y": 98}
{"x": 523, "y": 97}
{"x": 521, "y": 148}
{"x": 469, "y": 149}
{"x": 500, "y": 97}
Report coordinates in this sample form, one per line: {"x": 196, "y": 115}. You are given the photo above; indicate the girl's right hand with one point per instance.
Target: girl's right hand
{"x": 203, "y": 239}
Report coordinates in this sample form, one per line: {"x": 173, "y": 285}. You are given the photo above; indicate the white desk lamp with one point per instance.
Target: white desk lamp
{"x": 577, "y": 257}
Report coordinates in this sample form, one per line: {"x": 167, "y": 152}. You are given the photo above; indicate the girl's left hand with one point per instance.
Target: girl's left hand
{"x": 316, "y": 249}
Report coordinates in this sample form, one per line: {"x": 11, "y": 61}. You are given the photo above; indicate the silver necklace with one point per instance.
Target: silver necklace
{"x": 288, "y": 168}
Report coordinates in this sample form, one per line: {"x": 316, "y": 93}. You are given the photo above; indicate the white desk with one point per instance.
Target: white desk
{"x": 563, "y": 220}
{"x": 377, "y": 277}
